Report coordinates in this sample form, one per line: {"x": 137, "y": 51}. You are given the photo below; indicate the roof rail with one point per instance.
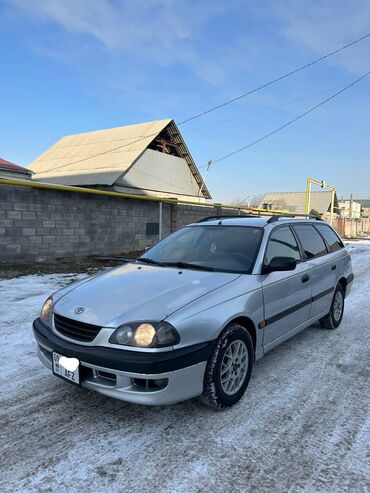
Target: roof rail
{"x": 222, "y": 217}
{"x": 276, "y": 217}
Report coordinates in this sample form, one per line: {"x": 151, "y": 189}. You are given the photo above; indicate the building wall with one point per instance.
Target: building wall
{"x": 44, "y": 223}
{"x": 350, "y": 208}
{"x": 351, "y": 227}
{"x": 13, "y": 175}
{"x": 154, "y": 172}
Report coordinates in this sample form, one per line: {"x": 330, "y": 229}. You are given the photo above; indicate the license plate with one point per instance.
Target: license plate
{"x": 66, "y": 368}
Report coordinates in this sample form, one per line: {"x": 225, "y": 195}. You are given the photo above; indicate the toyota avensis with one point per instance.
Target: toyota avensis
{"x": 192, "y": 314}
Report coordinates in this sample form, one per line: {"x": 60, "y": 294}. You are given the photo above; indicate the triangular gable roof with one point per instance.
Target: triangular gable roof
{"x": 9, "y": 166}
{"x": 100, "y": 157}
{"x": 295, "y": 201}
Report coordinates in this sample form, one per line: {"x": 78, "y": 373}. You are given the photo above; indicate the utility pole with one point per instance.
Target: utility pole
{"x": 322, "y": 184}
{"x": 205, "y": 176}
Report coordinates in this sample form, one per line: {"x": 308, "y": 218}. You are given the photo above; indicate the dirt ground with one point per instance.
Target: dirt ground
{"x": 303, "y": 425}
{"x": 86, "y": 264}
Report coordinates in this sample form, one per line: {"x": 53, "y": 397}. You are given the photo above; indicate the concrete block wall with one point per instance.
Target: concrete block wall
{"x": 45, "y": 224}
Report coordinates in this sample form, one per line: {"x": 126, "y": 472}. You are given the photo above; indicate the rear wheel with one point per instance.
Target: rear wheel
{"x": 333, "y": 319}
{"x": 229, "y": 368}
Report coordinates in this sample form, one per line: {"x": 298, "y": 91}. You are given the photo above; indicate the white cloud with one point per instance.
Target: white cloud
{"x": 324, "y": 25}
{"x": 164, "y": 31}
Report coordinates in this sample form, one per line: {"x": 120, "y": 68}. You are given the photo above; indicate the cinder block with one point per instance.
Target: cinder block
{"x": 36, "y": 207}
{"x": 13, "y": 248}
{"x": 35, "y": 239}
{"x": 13, "y": 231}
{"x": 19, "y": 206}
{"x": 6, "y": 240}
{"x": 14, "y": 214}
{"x": 28, "y": 231}
{"x": 28, "y": 214}
{"x": 48, "y": 224}
{"x": 7, "y": 223}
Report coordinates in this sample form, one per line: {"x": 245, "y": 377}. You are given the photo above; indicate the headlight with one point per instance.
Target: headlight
{"x": 46, "y": 313}
{"x": 145, "y": 334}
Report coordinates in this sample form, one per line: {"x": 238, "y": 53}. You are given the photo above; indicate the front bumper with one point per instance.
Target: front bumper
{"x": 138, "y": 377}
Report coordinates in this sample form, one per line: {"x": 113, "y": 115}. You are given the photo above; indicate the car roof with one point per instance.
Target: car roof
{"x": 256, "y": 221}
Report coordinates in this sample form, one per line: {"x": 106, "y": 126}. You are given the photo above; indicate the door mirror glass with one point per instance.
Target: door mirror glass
{"x": 280, "y": 264}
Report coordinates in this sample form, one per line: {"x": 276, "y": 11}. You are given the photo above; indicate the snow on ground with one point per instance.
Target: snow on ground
{"x": 303, "y": 425}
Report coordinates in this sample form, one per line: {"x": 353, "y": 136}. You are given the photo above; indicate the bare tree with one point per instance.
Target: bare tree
{"x": 256, "y": 200}
{"x": 248, "y": 201}
{"x": 240, "y": 203}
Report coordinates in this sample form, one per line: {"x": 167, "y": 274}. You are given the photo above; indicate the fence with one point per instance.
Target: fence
{"x": 44, "y": 221}
{"x": 351, "y": 227}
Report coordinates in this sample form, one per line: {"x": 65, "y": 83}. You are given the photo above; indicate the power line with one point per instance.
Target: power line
{"x": 264, "y": 110}
{"x": 99, "y": 154}
{"x": 266, "y": 84}
{"x": 216, "y": 107}
{"x": 290, "y": 122}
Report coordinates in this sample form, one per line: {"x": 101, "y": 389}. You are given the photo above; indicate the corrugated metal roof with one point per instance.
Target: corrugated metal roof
{"x": 295, "y": 201}
{"x": 9, "y": 166}
{"x": 95, "y": 158}
{"x": 100, "y": 157}
{"x": 363, "y": 202}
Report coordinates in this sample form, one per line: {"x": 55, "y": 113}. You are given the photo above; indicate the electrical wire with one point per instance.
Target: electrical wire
{"x": 264, "y": 110}
{"x": 310, "y": 110}
{"x": 216, "y": 107}
{"x": 281, "y": 77}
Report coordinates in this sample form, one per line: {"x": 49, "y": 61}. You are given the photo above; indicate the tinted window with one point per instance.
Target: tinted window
{"x": 282, "y": 244}
{"x": 334, "y": 242}
{"x": 224, "y": 248}
{"x": 312, "y": 243}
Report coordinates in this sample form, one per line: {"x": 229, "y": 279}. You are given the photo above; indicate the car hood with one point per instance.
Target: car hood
{"x": 137, "y": 292}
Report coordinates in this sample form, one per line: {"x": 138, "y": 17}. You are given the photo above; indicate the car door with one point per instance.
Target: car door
{"x": 287, "y": 295}
{"x": 322, "y": 265}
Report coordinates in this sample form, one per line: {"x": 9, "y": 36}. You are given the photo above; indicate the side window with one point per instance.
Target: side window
{"x": 282, "y": 244}
{"x": 312, "y": 243}
{"x": 332, "y": 239}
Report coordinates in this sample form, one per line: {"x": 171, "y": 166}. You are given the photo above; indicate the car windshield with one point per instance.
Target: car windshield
{"x": 219, "y": 248}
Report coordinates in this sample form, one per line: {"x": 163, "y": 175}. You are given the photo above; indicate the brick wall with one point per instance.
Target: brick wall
{"x": 43, "y": 223}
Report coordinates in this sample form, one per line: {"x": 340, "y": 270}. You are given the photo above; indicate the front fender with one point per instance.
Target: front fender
{"x": 204, "y": 319}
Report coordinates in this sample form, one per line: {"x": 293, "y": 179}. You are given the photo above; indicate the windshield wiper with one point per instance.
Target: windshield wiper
{"x": 149, "y": 261}
{"x": 187, "y": 265}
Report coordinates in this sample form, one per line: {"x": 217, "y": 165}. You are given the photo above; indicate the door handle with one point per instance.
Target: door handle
{"x": 333, "y": 267}
{"x": 305, "y": 278}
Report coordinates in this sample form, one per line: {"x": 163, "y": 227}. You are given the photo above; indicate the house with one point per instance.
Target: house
{"x": 365, "y": 207}
{"x": 350, "y": 208}
{"x": 12, "y": 171}
{"x": 320, "y": 202}
{"x": 148, "y": 158}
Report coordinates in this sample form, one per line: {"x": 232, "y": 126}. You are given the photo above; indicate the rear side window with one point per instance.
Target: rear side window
{"x": 332, "y": 239}
{"x": 312, "y": 243}
{"x": 282, "y": 244}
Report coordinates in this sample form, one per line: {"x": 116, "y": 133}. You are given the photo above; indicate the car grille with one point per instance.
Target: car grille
{"x": 75, "y": 329}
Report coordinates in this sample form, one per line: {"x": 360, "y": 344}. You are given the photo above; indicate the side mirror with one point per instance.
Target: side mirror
{"x": 280, "y": 264}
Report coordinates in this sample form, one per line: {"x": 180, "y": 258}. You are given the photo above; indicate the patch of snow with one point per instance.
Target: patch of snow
{"x": 303, "y": 425}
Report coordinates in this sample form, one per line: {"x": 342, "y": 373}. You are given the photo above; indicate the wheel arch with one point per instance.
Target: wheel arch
{"x": 248, "y": 324}
{"x": 343, "y": 282}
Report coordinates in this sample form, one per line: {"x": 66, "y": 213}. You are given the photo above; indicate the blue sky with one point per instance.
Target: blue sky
{"x": 76, "y": 65}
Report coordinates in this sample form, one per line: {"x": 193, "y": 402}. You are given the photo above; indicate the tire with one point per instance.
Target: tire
{"x": 333, "y": 319}
{"x": 222, "y": 394}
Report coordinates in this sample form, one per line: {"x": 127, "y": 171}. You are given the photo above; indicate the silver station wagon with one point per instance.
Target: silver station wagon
{"x": 192, "y": 314}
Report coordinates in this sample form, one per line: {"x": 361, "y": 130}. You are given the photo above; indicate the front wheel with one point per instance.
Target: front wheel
{"x": 334, "y": 317}
{"x": 229, "y": 368}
